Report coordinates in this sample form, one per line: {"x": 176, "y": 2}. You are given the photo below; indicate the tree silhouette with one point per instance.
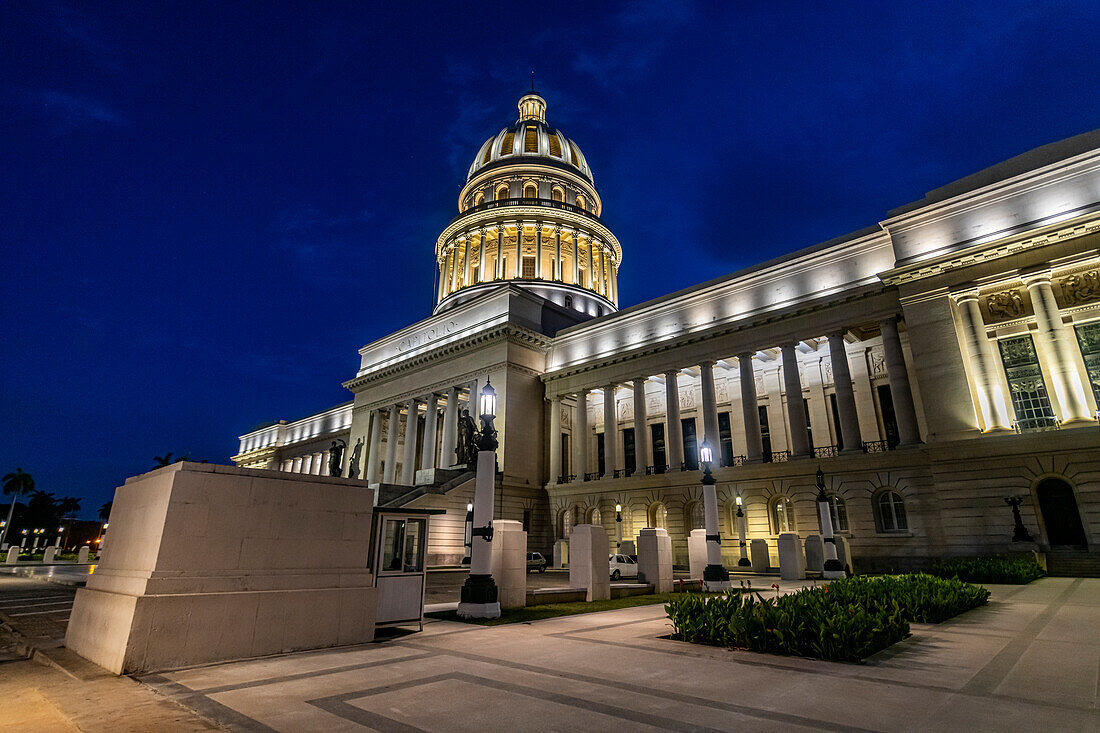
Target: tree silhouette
{"x": 15, "y": 485}
{"x": 68, "y": 506}
{"x": 162, "y": 461}
{"x": 105, "y": 511}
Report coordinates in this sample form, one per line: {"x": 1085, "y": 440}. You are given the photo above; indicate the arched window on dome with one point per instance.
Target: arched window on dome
{"x": 582, "y": 203}
{"x": 557, "y": 193}
{"x": 530, "y": 191}
{"x": 507, "y": 143}
{"x": 501, "y": 192}
{"x": 555, "y": 146}
{"x": 531, "y": 140}
{"x": 479, "y": 198}
{"x": 488, "y": 153}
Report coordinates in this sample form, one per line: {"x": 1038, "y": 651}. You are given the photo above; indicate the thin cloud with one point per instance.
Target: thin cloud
{"x": 637, "y": 35}
{"x": 73, "y": 111}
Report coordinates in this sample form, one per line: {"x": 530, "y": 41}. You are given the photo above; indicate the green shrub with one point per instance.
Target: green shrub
{"x": 1018, "y": 570}
{"x": 845, "y": 621}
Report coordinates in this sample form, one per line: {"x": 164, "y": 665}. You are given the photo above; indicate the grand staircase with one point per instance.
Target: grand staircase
{"x": 394, "y": 495}
{"x": 1073, "y": 563}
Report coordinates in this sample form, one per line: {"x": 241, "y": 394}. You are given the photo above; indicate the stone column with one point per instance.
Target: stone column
{"x": 408, "y": 458}
{"x": 900, "y": 391}
{"x": 1060, "y": 344}
{"x": 389, "y": 472}
{"x": 580, "y": 436}
{"x": 555, "y": 439}
{"x": 480, "y": 255}
{"x": 500, "y": 254}
{"x": 750, "y": 412}
{"x": 450, "y": 429}
{"x": 374, "y": 449}
{"x": 307, "y": 464}
{"x": 431, "y": 418}
{"x": 324, "y": 463}
{"x": 845, "y": 397}
{"x": 610, "y": 432}
{"x": 796, "y": 411}
{"x": 557, "y": 254}
{"x": 538, "y": 250}
{"x": 984, "y": 365}
{"x": 641, "y": 454}
{"x": 674, "y": 434}
{"x": 710, "y": 408}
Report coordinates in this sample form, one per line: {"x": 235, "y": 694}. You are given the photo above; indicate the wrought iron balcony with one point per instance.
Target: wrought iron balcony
{"x": 825, "y": 451}
{"x": 1036, "y": 424}
{"x": 876, "y": 446}
{"x": 541, "y": 203}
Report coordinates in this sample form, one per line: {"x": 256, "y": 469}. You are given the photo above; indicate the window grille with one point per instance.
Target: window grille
{"x": 1025, "y": 383}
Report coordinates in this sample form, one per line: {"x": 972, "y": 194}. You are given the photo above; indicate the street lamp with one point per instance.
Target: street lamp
{"x": 479, "y": 593}
{"x": 715, "y": 577}
{"x": 468, "y": 535}
{"x": 619, "y": 526}
{"x": 833, "y": 568}
{"x": 744, "y": 561}
{"x": 23, "y": 542}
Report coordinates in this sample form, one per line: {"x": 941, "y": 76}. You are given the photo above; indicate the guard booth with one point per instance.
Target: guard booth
{"x": 399, "y": 546}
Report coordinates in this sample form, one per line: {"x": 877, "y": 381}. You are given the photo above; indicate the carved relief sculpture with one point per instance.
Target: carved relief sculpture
{"x": 1005, "y": 305}
{"x": 1081, "y": 287}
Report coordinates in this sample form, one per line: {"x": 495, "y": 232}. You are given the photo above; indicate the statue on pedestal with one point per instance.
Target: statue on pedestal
{"x": 466, "y": 450}
{"x": 353, "y": 464}
{"x": 336, "y": 456}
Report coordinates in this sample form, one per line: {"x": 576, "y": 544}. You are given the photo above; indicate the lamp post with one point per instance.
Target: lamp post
{"x": 744, "y": 561}
{"x": 618, "y": 526}
{"x": 715, "y": 577}
{"x": 833, "y": 568}
{"x": 23, "y": 542}
{"x": 479, "y": 593}
{"x": 469, "y": 533}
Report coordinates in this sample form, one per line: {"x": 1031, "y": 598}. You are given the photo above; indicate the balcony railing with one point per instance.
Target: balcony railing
{"x": 567, "y": 478}
{"x": 1036, "y": 424}
{"x": 876, "y": 446}
{"x": 825, "y": 451}
{"x": 781, "y": 456}
{"x": 542, "y": 203}
{"x": 591, "y": 476}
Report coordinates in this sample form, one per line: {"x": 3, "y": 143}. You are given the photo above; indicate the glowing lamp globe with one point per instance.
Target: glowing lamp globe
{"x": 487, "y": 402}
{"x": 706, "y": 453}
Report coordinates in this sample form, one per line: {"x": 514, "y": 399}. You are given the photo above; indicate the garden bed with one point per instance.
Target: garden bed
{"x": 847, "y": 620}
{"x": 1012, "y": 570}
{"x": 553, "y": 610}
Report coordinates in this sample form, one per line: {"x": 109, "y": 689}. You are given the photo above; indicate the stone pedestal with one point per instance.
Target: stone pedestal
{"x": 815, "y": 554}
{"x": 82, "y": 554}
{"x": 561, "y": 553}
{"x": 697, "y": 553}
{"x": 758, "y": 551}
{"x": 843, "y": 553}
{"x": 588, "y": 567}
{"x": 628, "y": 548}
{"x": 213, "y": 563}
{"x": 49, "y": 554}
{"x": 792, "y": 563}
{"x": 509, "y": 563}
{"x": 655, "y": 559}
{"x": 13, "y": 555}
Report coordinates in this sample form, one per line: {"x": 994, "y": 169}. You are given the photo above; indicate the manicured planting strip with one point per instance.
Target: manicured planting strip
{"x": 553, "y": 610}
{"x": 1006, "y": 570}
{"x": 847, "y": 620}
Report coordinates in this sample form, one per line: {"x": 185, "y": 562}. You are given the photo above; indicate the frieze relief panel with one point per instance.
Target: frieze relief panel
{"x": 1005, "y": 305}
{"x": 876, "y": 362}
{"x": 722, "y": 392}
{"x": 654, "y": 405}
{"x": 626, "y": 409}
{"x": 826, "y": 372}
{"x": 760, "y": 384}
{"x": 687, "y": 399}
{"x": 566, "y": 417}
{"x": 1078, "y": 288}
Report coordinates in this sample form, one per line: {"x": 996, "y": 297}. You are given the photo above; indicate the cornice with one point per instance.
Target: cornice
{"x": 519, "y": 168}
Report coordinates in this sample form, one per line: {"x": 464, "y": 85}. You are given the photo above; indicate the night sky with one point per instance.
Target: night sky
{"x": 206, "y": 209}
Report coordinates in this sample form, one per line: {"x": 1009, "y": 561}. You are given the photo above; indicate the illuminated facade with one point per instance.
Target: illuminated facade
{"x": 932, "y": 365}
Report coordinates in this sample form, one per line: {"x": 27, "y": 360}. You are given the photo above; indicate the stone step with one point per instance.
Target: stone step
{"x": 1073, "y": 564}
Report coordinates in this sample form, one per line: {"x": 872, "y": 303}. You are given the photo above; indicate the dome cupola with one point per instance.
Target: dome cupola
{"x": 529, "y": 214}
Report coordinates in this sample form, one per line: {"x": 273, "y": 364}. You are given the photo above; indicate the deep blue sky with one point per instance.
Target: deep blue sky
{"x": 207, "y": 208}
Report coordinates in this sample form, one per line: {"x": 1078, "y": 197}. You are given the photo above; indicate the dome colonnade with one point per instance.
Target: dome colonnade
{"x": 529, "y": 214}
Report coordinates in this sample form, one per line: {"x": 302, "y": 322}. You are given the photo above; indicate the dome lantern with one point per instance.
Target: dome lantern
{"x": 532, "y": 107}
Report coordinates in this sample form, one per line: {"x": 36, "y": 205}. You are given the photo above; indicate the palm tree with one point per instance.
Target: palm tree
{"x": 162, "y": 461}
{"x": 105, "y": 511}
{"x": 15, "y": 485}
{"x": 68, "y": 506}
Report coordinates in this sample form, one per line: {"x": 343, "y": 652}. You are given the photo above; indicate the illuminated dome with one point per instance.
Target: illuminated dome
{"x": 530, "y": 137}
{"x": 529, "y": 215}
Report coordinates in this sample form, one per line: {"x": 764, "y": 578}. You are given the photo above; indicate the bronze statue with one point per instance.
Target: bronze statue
{"x": 466, "y": 450}
{"x": 336, "y": 456}
{"x": 353, "y": 464}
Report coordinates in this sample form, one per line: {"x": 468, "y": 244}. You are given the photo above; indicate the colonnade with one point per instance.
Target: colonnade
{"x": 800, "y": 442}
{"x": 436, "y": 448}
{"x": 315, "y": 464}
{"x": 488, "y": 253}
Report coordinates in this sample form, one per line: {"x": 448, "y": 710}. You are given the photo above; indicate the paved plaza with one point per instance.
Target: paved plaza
{"x": 1028, "y": 661}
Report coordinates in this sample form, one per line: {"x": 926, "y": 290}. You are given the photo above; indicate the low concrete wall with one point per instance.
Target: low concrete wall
{"x": 211, "y": 563}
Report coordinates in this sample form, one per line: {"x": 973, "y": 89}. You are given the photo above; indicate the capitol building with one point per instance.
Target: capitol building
{"x": 932, "y": 365}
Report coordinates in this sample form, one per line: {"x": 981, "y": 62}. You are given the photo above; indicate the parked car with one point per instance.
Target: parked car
{"x": 622, "y": 566}
{"x": 535, "y": 561}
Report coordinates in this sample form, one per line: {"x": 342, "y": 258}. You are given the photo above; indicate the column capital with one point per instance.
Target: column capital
{"x": 642, "y": 380}
{"x": 963, "y": 296}
{"x": 745, "y": 355}
{"x": 706, "y": 363}
{"x": 672, "y": 373}
{"x": 892, "y": 321}
{"x": 1036, "y": 277}
{"x": 839, "y": 333}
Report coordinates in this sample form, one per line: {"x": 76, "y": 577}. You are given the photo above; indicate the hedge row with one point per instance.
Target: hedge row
{"x": 1007, "y": 570}
{"x": 847, "y": 620}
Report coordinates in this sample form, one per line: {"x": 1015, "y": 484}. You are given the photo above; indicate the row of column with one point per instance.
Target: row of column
{"x": 1056, "y": 348}
{"x": 435, "y": 451}
{"x": 900, "y": 392}
{"x": 315, "y": 464}
{"x": 455, "y": 265}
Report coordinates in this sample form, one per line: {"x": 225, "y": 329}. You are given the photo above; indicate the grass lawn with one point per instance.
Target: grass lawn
{"x": 553, "y": 610}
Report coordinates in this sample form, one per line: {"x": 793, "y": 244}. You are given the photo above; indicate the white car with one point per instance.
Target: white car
{"x": 622, "y": 566}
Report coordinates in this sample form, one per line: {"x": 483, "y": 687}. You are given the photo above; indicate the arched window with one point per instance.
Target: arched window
{"x": 501, "y": 192}
{"x": 658, "y": 516}
{"x": 479, "y": 198}
{"x": 581, "y": 203}
{"x": 890, "y": 512}
{"x": 594, "y": 515}
{"x": 530, "y": 191}
{"x": 782, "y": 511}
{"x": 557, "y": 194}
{"x": 569, "y": 301}
{"x": 696, "y": 517}
{"x": 565, "y": 523}
{"x": 838, "y": 513}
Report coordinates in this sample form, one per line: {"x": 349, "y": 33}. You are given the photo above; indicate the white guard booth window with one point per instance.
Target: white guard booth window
{"x": 400, "y": 544}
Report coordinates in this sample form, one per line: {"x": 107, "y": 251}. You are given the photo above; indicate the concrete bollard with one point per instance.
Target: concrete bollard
{"x": 561, "y": 553}
{"x": 628, "y": 548}
{"x": 49, "y": 554}
{"x": 842, "y": 552}
{"x": 815, "y": 553}
{"x": 82, "y": 555}
{"x": 655, "y": 559}
{"x": 509, "y": 563}
{"x": 792, "y": 563}
{"x": 588, "y": 562}
{"x": 13, "y": 554}
{"x": 697, "y": 553}
{"x": 761, "y": 560}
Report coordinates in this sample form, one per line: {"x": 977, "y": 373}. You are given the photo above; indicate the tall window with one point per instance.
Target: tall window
{"x": 765, "y": 434}
{"x": 1088, "y": 336}
{"x": 599, "y": 453}
{"x": 836, "y": 422}
{"x": 725, "y": 438}
{"x": 697, "y": 518}
{"x": 506, "y": 143}
{"x": 657, "y": 433}
{"x": 630, "y": 458}
{"x": 1025, "y": 383}
{"x": 889, "y": 419}
{"x": 479, "y": 198}
{"x": 658, "y": 516}
{"x": 581, "y": 202}
{"x": 501, "y": 193}
{"x": 809, "y": 427}
{"x": 890, "y": 512}
{"x": 594, "y": 516}
{"x": 782, "y": 514}
{"x": 531, "y": 140}
{"x": 528, "y": 268}
{"x": 691, "y": 444}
